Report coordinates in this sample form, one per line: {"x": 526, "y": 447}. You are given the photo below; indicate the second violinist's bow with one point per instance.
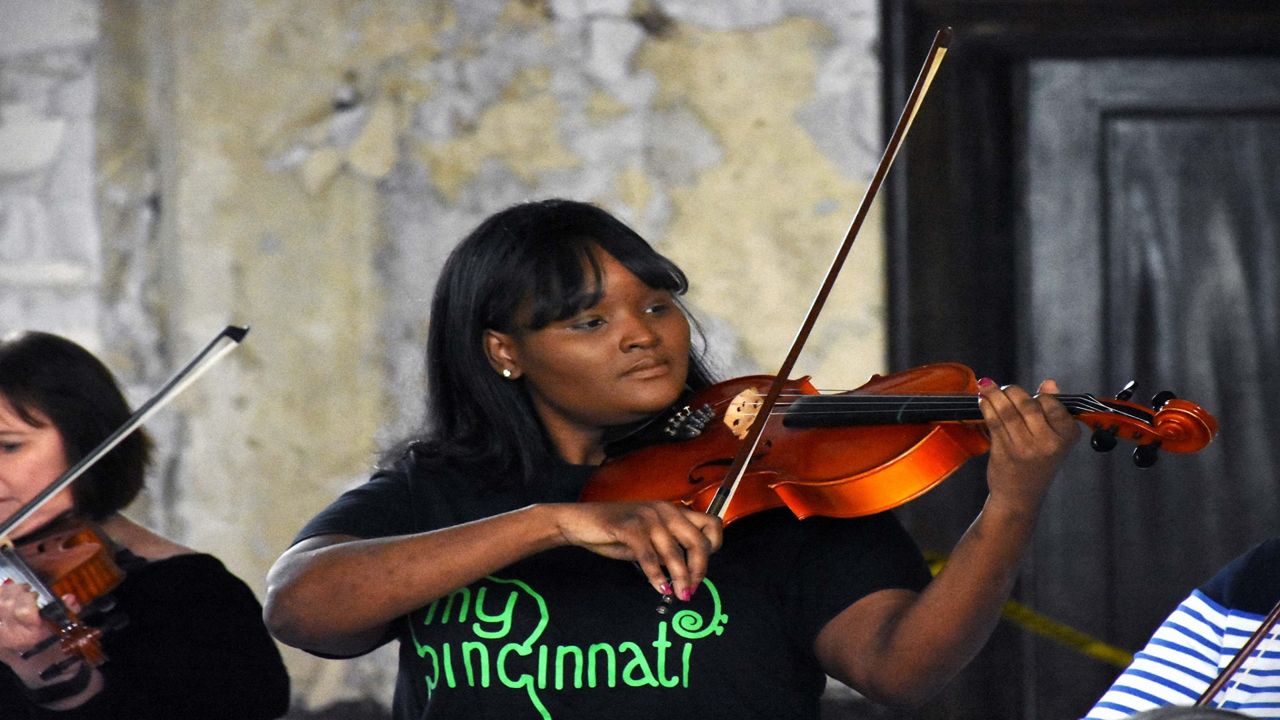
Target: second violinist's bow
{"x": 225, "y": 342}
{"x": 1245, "y": 653}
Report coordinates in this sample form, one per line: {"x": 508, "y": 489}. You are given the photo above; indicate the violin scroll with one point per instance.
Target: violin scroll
{"x": 1175, "y": 425}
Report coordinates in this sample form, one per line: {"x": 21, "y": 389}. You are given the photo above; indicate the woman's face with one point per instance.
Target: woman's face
{"x": 31, "y": 458}
{"x": 617, "y": 362}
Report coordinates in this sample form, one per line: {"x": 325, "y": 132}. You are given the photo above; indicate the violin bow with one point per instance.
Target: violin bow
{"x": 733, "y": 477}
{"x": 223, "y": 343}
{"x": 1240, "y": 657}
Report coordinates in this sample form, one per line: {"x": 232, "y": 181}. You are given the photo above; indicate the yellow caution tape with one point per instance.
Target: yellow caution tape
{"x": 1044, "y": 626}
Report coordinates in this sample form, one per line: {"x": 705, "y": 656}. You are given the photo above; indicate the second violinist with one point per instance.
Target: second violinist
{"x": 552, "y": 324}
{"x": 186, "y": 638}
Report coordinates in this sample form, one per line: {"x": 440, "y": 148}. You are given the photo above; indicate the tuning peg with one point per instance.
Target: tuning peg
{"x": 1144, "y": 456}
{"x": 1161, "y": 398}
{"x": 1126, "y": 392}
{"x": 665, "y": 607}
{"x": 1104, "y": 439}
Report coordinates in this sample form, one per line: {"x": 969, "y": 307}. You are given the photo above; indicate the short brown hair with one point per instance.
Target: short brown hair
{"x": 42, "y": 374}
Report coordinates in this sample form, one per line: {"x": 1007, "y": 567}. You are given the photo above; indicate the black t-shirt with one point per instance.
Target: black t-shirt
{"x": 193, "y": 647}
{"x": 570, "y": 634}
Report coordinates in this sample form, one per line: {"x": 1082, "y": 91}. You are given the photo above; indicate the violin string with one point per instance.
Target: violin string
{"x": 1083, "y": 400}
{"x": 801, "y": 404}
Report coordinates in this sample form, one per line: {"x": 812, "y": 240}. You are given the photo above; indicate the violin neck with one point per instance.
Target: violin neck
{"x": 846, "y": 410}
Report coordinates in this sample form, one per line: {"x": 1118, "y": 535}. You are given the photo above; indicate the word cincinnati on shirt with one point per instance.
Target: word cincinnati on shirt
{"x": 502, "y": 655}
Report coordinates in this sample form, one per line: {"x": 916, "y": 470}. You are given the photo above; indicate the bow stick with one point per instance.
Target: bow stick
{"x": 733, "y": 477}
{"x": 1245, "y": 652}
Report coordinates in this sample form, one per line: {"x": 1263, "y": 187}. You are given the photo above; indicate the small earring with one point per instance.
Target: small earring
{"x": 506, "y": 373}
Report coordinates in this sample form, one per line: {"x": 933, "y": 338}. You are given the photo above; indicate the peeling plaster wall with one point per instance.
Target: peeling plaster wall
{"x": 303, "y": 167}
{"x": 50, "y": 256}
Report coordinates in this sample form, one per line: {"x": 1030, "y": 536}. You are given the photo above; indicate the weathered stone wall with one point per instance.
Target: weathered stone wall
{"x": 303, "y": 166}
{"x": 50, "y": 254}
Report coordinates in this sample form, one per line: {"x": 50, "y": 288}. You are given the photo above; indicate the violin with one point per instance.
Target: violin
{"x": 854, "y": 453}
{"x": 75, "y": 559}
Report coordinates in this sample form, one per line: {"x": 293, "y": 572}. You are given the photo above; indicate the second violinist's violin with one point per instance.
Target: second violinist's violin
{"x": 853, "y": 453}
{"x": 73, "y": 559}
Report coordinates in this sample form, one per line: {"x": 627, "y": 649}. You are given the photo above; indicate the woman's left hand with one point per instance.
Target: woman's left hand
{"x": 899, "y": 647}
{"x": 1029, "y": 438}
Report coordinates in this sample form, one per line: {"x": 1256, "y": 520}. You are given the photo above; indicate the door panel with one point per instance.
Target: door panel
{"x": 1152, "y": 216}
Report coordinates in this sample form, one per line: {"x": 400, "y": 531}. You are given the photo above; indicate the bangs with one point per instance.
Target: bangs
{"x": 24, "y": 383}
{"x": 27, "y": 408}
{"x": 568, "y": 279}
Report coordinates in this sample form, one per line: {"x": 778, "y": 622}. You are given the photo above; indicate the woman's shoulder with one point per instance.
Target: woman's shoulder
{"x": 1251, "y": 582}
{"x": 142, "y": 541}
{"x": 418, "y": 461}
{"x": 420, "y": 469}
{"x": 198, "y": 582}
{"x": 152, "y": 559}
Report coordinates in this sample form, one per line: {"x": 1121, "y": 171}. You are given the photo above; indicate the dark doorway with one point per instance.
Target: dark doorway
{"x": 1090, "y": 193}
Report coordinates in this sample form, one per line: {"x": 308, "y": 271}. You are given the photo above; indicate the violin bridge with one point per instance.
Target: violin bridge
{"x": 742, "y": 412}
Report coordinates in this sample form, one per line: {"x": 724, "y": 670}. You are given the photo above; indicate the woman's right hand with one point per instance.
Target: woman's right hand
{"x": 671, "y": 544}
{"x": 21, "y": 627}
{"x": 336, "y": 594}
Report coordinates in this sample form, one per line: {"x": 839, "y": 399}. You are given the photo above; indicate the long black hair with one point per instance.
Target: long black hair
{"x": 50, "y": 376}
{"x": 530, "y": 256}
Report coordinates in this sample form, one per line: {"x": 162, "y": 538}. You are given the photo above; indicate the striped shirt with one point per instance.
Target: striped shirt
{"x": 1200, "y": 638}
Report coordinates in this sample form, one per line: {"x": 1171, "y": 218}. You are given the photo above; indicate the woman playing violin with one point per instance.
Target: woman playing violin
{"x": 184, "y": 637}
{"x": 552, "y": 326}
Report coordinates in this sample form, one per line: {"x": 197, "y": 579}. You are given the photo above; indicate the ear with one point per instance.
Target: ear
{"x": 502, "y": 353}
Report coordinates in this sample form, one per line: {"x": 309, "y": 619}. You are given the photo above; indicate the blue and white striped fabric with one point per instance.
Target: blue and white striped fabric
{"x": 1186, "y": 653}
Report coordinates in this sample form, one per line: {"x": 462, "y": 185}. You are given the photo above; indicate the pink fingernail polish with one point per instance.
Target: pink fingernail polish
{"x": 986, "y": 382}
{"x": 665, "y": 588}
{"x": 686, "y": 593}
